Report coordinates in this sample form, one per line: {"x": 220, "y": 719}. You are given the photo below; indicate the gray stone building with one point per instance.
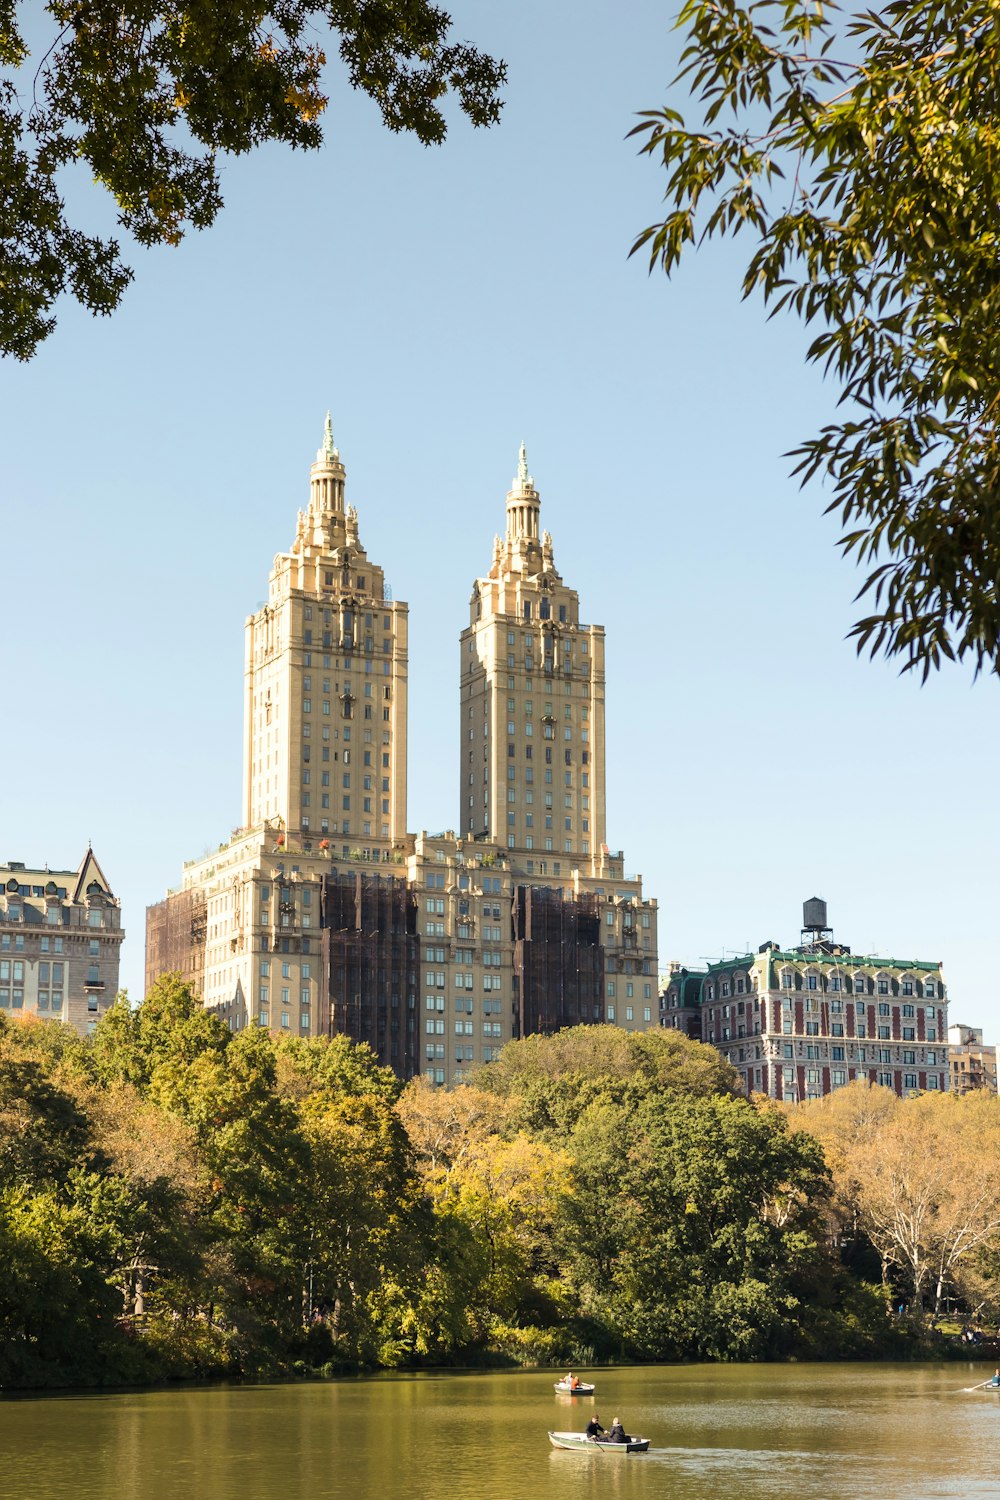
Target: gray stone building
{"x": 60, "y": 943}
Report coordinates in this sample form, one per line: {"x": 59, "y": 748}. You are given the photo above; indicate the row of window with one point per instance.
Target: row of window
{"x": 529, "y": 754}
{"x": 264, "y": 1019}
{"x": 265, "y": 969}
{"x": 55, "y": 916}
{"x": 529, "y": 778}
{"x": 437, "y": 1028}
{"x": 367, "y": 782}
{"x": 883, "y": 1033}
{"x": 529, "y": 822}
{"x": 346, "y": 614}
{"x": 547, "y": 845}
{"x": 13, "y": 999}
{"x": 837, "y": 1008}
{"x": 880, "y": 1054}
{"x": 838, "y": 1077}
{"x": 50, "y": 890}
{"x": 862, "y": 984}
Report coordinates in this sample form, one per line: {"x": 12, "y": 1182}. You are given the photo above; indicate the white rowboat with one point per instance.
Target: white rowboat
{"x": 580, "y": 1389}
{"x": 579, "y": 1442}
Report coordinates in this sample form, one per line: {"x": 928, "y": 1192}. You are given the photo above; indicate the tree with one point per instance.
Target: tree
{"x": 145, "y": 1198}
{"x": 920, "y": 1177}
{"x": 692, "y": 1231}
{"x": 496, "y": 1194}
{"x": 43, "y": 1131}
{"x": 860, "y": 150}
{"x": 148, "y": 92}
{"x": 551, "y": 1079}
{"x": 171, "y": 1026}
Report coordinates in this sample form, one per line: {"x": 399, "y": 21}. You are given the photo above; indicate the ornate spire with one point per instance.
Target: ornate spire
{"x": 524, "y": 480}
{"x": 328, "y": 453}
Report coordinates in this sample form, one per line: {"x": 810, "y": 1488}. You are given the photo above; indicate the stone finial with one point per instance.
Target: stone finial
{"x": 546, "y": 541}
{"x": 328, "y": 453}
{"x": 524, "y": 479}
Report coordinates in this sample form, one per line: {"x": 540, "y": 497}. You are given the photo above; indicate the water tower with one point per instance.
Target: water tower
{"x": 815, "y": 929}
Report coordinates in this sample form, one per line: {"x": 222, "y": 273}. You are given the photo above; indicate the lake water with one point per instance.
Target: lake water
{"x": 812, "y": 1432}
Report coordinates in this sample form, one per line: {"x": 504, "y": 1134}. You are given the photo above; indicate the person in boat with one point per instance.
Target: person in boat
{"x": 594, "y": 1428}
{"x": 617, "y": 1433}
{"x": 572, "y": 1381}
{"x": 996, "y": 1379}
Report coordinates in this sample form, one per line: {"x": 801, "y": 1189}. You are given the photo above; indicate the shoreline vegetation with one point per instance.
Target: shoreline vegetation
{"x": 179, "y": 1203}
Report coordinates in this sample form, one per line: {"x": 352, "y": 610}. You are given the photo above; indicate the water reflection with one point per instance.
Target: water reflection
{"x": 726, "y": 1432}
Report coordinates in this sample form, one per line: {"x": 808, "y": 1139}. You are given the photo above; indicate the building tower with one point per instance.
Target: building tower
{"x": 326, "y": 681}
{"x": 532, "y": 703}
{"x": 321, "y": 915}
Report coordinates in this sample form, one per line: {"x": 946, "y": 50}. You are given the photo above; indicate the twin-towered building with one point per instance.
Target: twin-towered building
{"x": 322, "y": 914}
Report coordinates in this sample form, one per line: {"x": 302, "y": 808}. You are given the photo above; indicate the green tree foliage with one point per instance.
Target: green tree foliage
{"x": 179, "y": 1200}
{"x": 693, "y": 1231}
{"x": 43, "y": 1132}
{"x": 149, "y": 94}
{"x": 857, "y": 149}
{"x": 57, "y": 1308}
{"x": 554, "y": 1078}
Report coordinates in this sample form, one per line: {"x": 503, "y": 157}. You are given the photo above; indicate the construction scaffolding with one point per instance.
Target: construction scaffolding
{"x": 558, "y": 960}
{"x": 175, "y": 938}
{"x": 372, "y": 955}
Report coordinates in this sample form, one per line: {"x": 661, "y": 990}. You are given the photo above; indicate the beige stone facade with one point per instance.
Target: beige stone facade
{"x": 323, "y": 914}
{"x": 532, "y": 773}
{"x": 973, "y": 1062}
{"x": 60, "y": 943}
{"x": 325, "y": 682}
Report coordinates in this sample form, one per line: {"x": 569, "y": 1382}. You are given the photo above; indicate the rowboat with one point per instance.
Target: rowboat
{"x": 580, "y": 1442}
{"x": 580, "y": 1389}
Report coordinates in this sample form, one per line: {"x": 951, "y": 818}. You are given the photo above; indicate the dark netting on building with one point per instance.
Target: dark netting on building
{"x": 372, "y": 954}
{"x": 175, "y": 938}
{"x": 558, "y": 960}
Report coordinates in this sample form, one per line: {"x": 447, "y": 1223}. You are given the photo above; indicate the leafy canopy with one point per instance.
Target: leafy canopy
{"x": 148, "y": 92}
{"x": 860, "y": 151}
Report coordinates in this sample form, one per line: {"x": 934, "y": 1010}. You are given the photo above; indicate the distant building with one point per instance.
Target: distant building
{"x": 322, "y": 915}
{"x": 680, "y": 1000}
{"x": 973, "y": 1065}
{"x": 60, "y": 943}
{"x": 797, "y": 1023}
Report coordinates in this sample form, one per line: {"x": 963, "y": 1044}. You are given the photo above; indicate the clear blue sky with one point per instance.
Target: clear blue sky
{"x": 445, "y": 304}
